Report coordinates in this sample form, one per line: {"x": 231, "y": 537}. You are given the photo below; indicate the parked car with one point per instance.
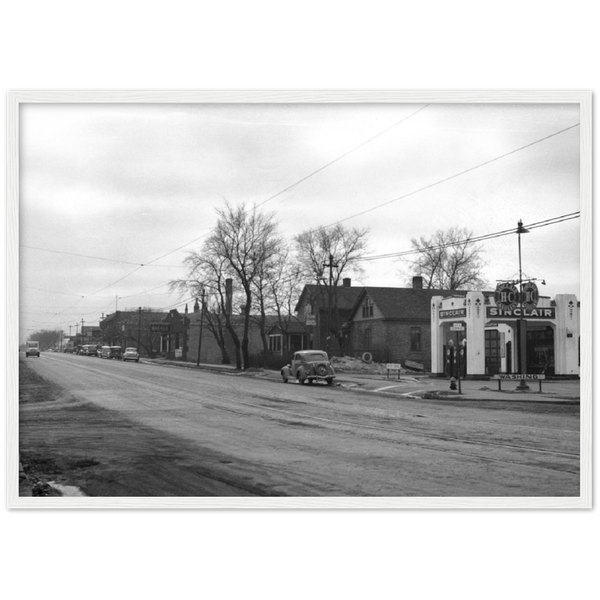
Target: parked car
{"x": 131, "y": 354}
{"x": 111, "y": 352}
{"x": 116, "y": 352}
{"x": 309, "y": 365}
{"x": 90, "y": 350}
{"x": 104, "y": 352}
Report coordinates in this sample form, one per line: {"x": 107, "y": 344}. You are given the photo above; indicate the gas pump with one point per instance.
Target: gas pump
{"x": 456, "y": 357}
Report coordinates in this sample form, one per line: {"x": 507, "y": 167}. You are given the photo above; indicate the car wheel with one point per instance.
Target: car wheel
{"x": 330, "y": 381}
{"x": 321, "y": 370}
{"x": 310, "y": 381}
{"x": 137, "y": 360}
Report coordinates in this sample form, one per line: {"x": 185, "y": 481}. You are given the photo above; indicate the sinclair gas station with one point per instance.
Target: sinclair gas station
{"x": 494, "y": 337}
{"x": 511, "y": 333}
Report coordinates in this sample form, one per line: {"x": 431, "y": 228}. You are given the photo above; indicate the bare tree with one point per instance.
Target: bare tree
{"x": 207, "y": 274}
{"x": 327, "y": 255}
{"x": 332, "y": 251}
{"x": 276, "y": 288}
{"x": 241, "y": 246}
{"x": 449, "y": 260}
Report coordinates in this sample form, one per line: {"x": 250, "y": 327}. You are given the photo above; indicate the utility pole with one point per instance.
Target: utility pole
{"x": 82, "y": 335}
{"x": 139, "y": 328}
{"x": 331, "y": 265}
{"x": 201, "y": 324}
{"x": 521, "y": 323}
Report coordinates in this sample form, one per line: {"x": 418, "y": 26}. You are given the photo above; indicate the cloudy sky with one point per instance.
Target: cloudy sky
{"x": 106, "y": 188}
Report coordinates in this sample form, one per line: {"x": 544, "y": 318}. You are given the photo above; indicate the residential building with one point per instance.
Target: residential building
{"x": 324, "y": 310}
{"x": 393, "y": 325}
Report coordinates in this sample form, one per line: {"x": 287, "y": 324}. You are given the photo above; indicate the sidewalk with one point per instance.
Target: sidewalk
{"x": 419, "y": 386}
{"x": 434, "y": 388}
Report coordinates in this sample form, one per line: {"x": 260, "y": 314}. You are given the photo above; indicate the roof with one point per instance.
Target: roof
{"x": 346, "y": 296}
{"x": 403, "y": 303}
{"x": 290, "y": 327}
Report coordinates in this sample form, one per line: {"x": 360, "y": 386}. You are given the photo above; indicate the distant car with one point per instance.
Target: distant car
{"x": 116, "y": 352}
{"x": 309, "y": 366}
{"x": 131, "y": 354}
{"x": 89, "y": 350}
{"x": 111, "y": 352}
{"x": 32, "y": 349}
{"x": 104, "y": 352}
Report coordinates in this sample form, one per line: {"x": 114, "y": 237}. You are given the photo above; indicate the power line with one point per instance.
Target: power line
{"x": 124, "y": 262}
{"x": 342, "y": 156}
{"x": 474, "y": 240}
{"x": 431, "y": 185}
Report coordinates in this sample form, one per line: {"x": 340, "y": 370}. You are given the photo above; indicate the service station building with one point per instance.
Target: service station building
{"x": 491, "y": 334}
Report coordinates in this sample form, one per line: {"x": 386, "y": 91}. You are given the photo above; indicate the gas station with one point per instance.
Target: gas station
{"x": 476, "y": 335}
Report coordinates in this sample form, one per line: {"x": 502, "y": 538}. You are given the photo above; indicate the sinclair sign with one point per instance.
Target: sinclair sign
{"x": 508, "y": 297}
{"x": 496, "y": 312}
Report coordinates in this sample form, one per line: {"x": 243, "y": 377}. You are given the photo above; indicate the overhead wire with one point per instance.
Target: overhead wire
{"x": 474, "y": 240}
{"x": 449, "y": 178}
{"x": 423, "y": 188}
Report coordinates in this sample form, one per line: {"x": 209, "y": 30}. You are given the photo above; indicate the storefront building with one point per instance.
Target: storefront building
{"x": 491, "y": 334}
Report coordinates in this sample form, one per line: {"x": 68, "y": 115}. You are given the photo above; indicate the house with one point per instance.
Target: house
{"x": 288, "y": 336}
{"x": 324, "y": 310}
{"x": 393, "y": 325}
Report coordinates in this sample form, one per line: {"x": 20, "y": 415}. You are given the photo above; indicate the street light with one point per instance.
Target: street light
{"x": 521, "y": 323}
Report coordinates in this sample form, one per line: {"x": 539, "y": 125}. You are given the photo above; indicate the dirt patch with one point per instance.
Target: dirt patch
{"x": 73, "y": 443}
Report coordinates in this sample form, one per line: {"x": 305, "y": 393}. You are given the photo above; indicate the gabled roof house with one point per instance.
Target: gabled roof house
{"x": 393, "y": 325}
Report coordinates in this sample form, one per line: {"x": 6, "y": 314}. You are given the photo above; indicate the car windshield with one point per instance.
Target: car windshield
{"x": 316, "y": 356}
{"x": 130, "y": 350}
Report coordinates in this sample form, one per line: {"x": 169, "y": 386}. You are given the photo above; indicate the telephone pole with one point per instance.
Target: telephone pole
{"x": 200, "y": 333}
{"x": 331, "y": 266}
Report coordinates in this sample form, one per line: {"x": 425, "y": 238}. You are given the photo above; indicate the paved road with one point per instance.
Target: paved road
{"x": 276, "y": 439}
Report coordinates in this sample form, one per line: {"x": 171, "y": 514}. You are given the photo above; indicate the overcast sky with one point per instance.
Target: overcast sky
{"x": 127, "y": 184}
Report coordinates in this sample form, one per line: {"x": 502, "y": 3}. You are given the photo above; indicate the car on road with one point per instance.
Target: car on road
{"x": 111, "y": 352}
{"x": 87, "y": 350}
{"x": 131, "y": 354}
{"x": 104, "y": 352}
{"x": 32, "y": 349}
{"x": 309, "y": 366}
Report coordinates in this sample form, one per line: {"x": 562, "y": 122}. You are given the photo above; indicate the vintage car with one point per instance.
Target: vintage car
{"x": 309, "y": 366}
{"x": 131, "y": 354}
{"x": 111, "y": 352}
{"x": 32, "y": 349}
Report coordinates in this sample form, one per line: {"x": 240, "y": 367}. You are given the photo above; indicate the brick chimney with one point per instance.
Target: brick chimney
{"x": 417, "y": 282}
{"x": 347, "y": 282}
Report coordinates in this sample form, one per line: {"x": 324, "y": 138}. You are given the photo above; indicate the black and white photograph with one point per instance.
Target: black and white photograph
{"x": 284, "y": 300}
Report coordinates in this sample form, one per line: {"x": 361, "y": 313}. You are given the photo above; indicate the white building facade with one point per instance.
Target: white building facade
{"x": 491, "y": 335}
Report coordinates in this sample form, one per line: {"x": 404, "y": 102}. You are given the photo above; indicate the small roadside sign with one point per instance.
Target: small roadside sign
{"x": 392, "y": 367}
{"x": 457, "y": 327}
